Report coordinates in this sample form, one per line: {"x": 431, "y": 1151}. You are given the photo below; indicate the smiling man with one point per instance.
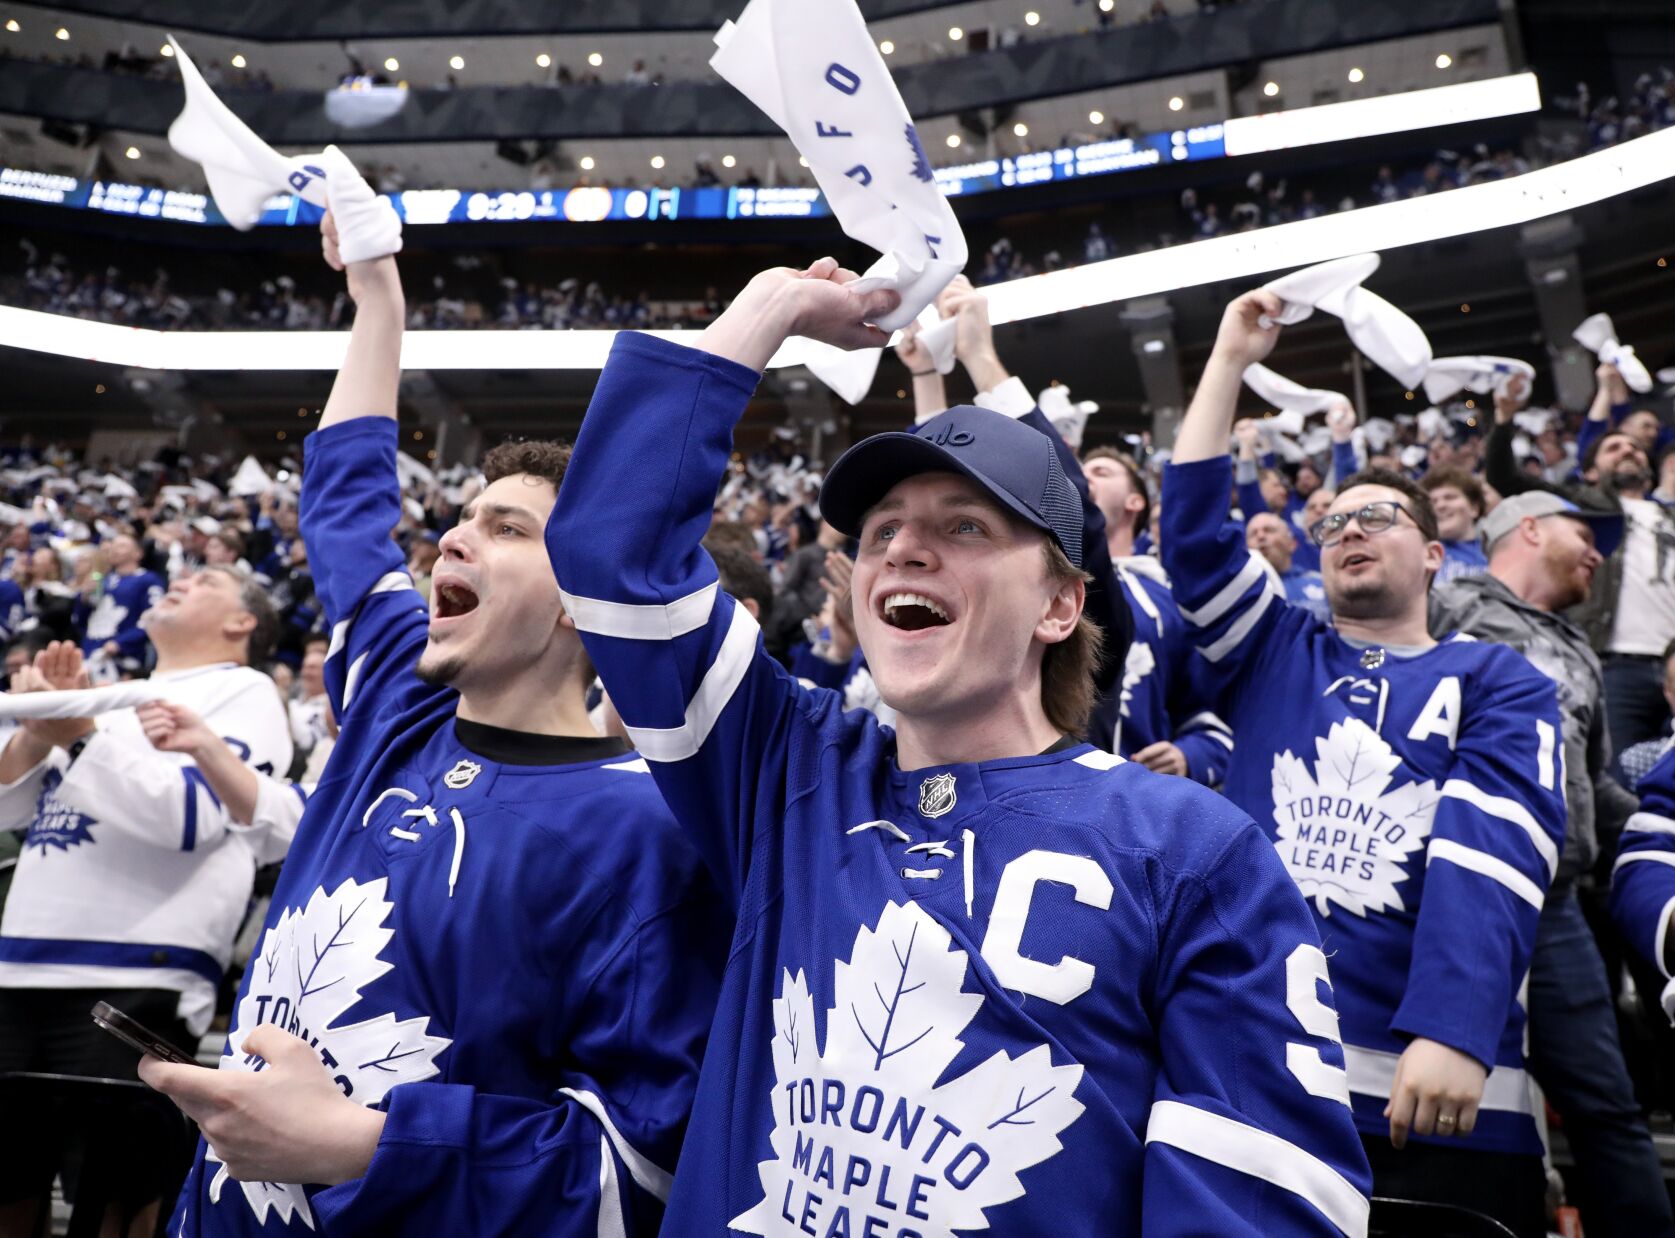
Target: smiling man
{"x": 985, "y": 977}
{"x": 1412, "y": 788}
{"x": 133, "y": 879}
{"x": 479, "y": 1001}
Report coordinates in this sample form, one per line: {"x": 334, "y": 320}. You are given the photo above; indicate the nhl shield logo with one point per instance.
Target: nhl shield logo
{"x": 462, "y": 775}
{"x": 936, "y": 796}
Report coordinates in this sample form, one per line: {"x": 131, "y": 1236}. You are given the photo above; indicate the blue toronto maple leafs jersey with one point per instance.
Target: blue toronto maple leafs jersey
{"x": 1417, "y": 799}
{"x": 1160, "y": 695}
{"x": 116, "y": 614}
{"x": 517, "y": 962}
{"x": 1643, "y": 881}
{"x": 1053, "y": 994}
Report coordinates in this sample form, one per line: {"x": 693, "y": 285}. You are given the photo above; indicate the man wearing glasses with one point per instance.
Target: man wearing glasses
{"x": 1413, "y": 788}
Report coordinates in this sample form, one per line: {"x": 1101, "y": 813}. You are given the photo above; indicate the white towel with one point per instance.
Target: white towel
{"x": 251, "y": 479}
{"x": 243, "y": 171}
{"x": 816, "y": 72}
{"x": 937, "y": 335}
{"x": 1069, "y": 419}
{"x": 1284, "y": 394}
{"x": 1388, "y": 337}
{"x": 77, "y": 702}
{"x": 1484, "y": 375}
{"x": 367, "y": 225}
{"x": 1598, "y": 336}
{"x": 848, "y": 374}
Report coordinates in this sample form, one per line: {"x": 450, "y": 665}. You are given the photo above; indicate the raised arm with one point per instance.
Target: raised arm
{"x": 351, "y": 492}
{"x": 1241, "y": 342}
{"x": 684, "y": 665}
{"x": 356, "y": 227}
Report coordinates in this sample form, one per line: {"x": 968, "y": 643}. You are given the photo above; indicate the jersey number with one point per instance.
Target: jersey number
{"x": 1305, "y": 971}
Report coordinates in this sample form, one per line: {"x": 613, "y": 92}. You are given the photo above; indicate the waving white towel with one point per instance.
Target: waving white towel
{"x": 243, "y": 171}
{"x": 77, "y": 702}
{"x": 1282, "y": 393}
{"x": 1450, "y": 375}
{"x": 816, "y": 72}
{"x": 1069, "y": 419}
{"x": 1391, "y": 339}
{"x": 367, "y": 225}
{"x": 1598, "y": 336}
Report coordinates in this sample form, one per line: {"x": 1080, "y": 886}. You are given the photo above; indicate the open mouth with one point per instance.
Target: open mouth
{"x": 912, "y": 612}
{"x": 453, "y": 600}
{"x": 1354, "y": 560}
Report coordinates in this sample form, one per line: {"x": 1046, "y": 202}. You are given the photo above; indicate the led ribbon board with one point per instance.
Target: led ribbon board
{"x": 1459, "y": 212}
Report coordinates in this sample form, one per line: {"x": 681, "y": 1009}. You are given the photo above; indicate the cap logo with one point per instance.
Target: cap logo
{"x": 946, "y": 436}
{"x": 462, "y": 775}
{"x": 937, "y": 796}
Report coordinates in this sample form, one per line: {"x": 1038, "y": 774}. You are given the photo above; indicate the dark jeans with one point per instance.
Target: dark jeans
{"x": 1576, "y": 1057}
{"x": 1511, "y": 1189}
{"x": 1634, "y": 706}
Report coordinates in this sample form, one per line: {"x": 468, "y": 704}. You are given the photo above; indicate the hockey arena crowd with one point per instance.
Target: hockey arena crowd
{"x": 1251, "y": 825}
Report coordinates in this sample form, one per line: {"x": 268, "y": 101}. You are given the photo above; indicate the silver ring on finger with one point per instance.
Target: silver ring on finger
{"x": 1445, "y": 1123}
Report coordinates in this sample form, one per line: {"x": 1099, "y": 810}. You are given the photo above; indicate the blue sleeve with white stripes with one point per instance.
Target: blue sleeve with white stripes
{"x": 1226, "y": 594}
{"x": 683, "y": 663}
{"x": 351, "y": 502}
{"x": 1493, "y": 850}
{"x": 1252, "y": 1094}
{"x": 588, "y": 1163}
{"x": 1643, "y": 881}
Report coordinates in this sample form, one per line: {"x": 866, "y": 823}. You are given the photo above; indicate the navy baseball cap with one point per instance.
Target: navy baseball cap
{"x": 1012, "y": 463}
{"x": 1607, "y": 525}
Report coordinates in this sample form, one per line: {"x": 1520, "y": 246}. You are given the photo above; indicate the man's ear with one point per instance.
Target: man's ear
{"x": 1064, "y": 609}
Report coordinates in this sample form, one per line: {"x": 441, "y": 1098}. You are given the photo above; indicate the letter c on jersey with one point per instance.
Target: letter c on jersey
{"x": 1062, "y": 982}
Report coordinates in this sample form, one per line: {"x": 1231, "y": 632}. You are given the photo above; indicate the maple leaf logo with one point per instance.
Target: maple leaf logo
{"x": 1343, "y": 835}
{"x": 56, "y": 824}
{"x": 921, "y": 169}
{"x": 864, "y": 1133}
{"x": 311, "y": 968}
{"x": 1139, "y": 663}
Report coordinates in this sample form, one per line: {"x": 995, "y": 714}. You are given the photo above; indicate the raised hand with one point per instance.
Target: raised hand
{"x": 914, "y": 355}
{"x": 1340, "y": 420}
{"x": 1242, "y": 339}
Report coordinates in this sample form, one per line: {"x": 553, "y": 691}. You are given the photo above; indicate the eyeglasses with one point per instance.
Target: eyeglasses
{"x": 1373, "y": 518}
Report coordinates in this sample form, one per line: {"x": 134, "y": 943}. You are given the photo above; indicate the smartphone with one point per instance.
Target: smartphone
{"x": 137, "y": 1035}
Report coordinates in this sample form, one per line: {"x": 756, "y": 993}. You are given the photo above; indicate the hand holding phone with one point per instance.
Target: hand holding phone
{"x": 137, "y": 1035}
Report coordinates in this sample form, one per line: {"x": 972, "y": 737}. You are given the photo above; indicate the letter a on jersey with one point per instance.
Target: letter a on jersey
{"x": 862, "y": 1127}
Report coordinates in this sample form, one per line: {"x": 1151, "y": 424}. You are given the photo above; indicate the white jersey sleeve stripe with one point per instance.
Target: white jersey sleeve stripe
{"x": 1659, "y": 857}
{"x": 610, "y": 1203}
{"x": 1230, "y": 593}
{"x": 1489, "y": 866}
{"x": 629, "y": 621}
{"x": 1261, "y": 1155}
{"x": 650, "y": 1178}
{"x": 1507, "y": 810}
{"x": 1650, "y": 823}
{"x": 1236, "y": 633}
{"x": 1098, "y": 759}
{"x": 1661, "y": 939}
{"x": 681, "y": 743}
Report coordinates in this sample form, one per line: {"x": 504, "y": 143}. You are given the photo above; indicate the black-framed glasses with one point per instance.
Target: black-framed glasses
{"x": 1373, "y": 518}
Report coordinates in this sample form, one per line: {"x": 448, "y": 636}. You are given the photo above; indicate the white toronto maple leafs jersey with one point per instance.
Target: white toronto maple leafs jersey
{"x": 1417, "y": 798}
{"x": 1643, "y": 881}
{"x": 132, "y": 875}
{"x": 1050, "y": 995}
{"x": 514, "y": 955}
